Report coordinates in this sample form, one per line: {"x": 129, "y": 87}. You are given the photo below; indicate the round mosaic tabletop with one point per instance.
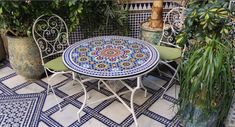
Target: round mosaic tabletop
{"x": 111, "y": 57}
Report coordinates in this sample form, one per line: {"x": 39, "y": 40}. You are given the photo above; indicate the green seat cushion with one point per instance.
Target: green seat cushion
{"x": 56, "y": 64}
{"x": 168, "y": 53}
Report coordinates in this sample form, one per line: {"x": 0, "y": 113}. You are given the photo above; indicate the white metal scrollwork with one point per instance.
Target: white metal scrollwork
{"x": 50, "y": 32}
{"x": 173, "y": 23}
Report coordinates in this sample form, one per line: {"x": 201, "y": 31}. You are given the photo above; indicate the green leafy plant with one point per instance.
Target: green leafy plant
{"x": 101, "y": 16}
{"x": 205, "y": 75}
{"x": 17, "y": 17}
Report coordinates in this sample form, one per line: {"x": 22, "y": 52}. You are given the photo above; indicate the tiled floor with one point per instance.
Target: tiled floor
{"x": 25, "y": 104}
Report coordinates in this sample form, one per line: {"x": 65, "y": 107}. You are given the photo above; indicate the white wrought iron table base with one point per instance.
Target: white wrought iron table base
{"x": 117, "y": 95}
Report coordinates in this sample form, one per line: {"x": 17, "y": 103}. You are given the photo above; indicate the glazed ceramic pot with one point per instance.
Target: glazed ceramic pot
{"x": 149, "y": 34}
{"x": 198, "y": 118}
{"x": 24, "y": 57}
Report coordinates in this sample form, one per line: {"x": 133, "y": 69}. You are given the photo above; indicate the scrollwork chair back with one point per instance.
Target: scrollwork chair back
{"x": 173, "y": 23}
{"x": 50, "y": 33}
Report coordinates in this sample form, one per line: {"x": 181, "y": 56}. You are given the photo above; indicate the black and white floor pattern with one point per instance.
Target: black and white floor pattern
{"x": 25, "y": 103}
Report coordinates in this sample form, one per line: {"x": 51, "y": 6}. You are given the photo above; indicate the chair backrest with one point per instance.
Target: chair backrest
{"x": 173, "y": 23}
{"x": 50, "y": 33}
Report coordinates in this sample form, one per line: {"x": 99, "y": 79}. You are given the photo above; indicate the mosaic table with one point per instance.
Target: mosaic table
{"x": 112, "y": 58}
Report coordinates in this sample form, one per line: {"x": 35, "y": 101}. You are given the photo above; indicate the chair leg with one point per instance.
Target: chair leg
{"x": 52, "y": 89}
{"x": 48, "y": 86}
{"x": 48, "y": 89}
{"x": 172, "y": 78}
{"x": 99, "y": 84}
{"x": 159, "y": 71}
{"x": 84, "y": 100}
{"x": 73, "y": 76}
{"x": 168, "y": 85}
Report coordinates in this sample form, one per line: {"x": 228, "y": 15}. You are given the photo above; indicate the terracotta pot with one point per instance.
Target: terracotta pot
{"x": 24, "y": 57}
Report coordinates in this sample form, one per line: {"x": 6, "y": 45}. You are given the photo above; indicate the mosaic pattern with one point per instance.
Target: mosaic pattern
{"x": 20, "y": 111}
{"x": 111, "y": 57}
{"x": 44, "y": 112}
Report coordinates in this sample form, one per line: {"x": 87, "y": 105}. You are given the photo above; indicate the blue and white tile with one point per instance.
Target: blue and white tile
{"x": 154, "y": 83}
{"x": 32, "y": 88}
{"x": 70, "y": 88}
{"x": 42, "y": 124}
{"x": 94, "y": 122}
{"x": 116, "y": 112}
{"x": 14, "y": 81}
{"x": 51, "y": 101}
{"x": 164, "y": 108}
{"x": 6, "y": 71}
{"x": 102, "y": 114}
{"x": 56, "y": 80}
{"x": 139, "y": 98}
{"x": 145, "y": 121}
{"x": 67, "y": 116}
{"x": 173, "y": 91}
{"x": 93, "y": 96}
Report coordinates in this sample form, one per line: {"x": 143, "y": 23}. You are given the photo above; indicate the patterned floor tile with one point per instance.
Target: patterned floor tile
{"x": 32, "y": 88}
{"x": 14, "y": 81}
{"x": 115, "y": 85}
{"x": 116, "y": 112}
{"x": 67, "y": 116}
{"x": 93, "y": 122}
{"x": 153, "y": 82}
{"x": 139, "y": 98}
{"x": 6, "y": 71}
{"x": 164, "y": 108}
{"x": 94, "y": 96}
{"x": 145, "y": 121}
{"x": 151, "y": 111}
{"x": 71, "y": 88}
{"x": 57, "y": 79}
{"x": 42, "y": 124}
{"x": 173, "y": 91}
{"x": 50, "y": 101}
{"x": 21, "y": 110}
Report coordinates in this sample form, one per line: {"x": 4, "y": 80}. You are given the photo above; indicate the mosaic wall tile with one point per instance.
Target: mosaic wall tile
{"x": 138, "y": 12}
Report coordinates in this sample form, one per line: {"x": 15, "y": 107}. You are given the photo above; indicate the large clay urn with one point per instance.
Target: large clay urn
{"x": 24, "y": 57}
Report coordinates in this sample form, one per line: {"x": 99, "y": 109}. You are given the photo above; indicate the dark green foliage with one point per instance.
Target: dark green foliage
{"x": 18, "y": 16}
{"x": 99, "y": 16}
{"x": 205, "y": 75}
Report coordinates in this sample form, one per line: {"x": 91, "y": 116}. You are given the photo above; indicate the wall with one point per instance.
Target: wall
{"x": 139, "y": 11}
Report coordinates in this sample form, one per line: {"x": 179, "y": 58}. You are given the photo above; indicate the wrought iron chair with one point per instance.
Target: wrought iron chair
{"x": 168, "y": 49}
{"x": 50, "y": 33}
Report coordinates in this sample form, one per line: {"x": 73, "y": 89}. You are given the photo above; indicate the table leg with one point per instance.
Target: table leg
{"x": 145, "y": 89}
{"x": 132, "y": 99}
{"x": 131, "y": 107}
{"x": 84, "y": 101}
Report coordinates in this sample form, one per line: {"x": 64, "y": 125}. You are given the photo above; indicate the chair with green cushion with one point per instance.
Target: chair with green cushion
{"x": 50, "y": 33}
{"x": 168, "y": 49}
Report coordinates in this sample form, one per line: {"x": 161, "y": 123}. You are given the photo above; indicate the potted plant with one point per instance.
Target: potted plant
{"x": 151, "y": 30}
{"x": 206, "y": 86}
{"x": 16, "y": 19}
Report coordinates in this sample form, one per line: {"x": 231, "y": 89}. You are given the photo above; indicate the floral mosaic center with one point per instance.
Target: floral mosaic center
{"x": 110, "y": 52}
